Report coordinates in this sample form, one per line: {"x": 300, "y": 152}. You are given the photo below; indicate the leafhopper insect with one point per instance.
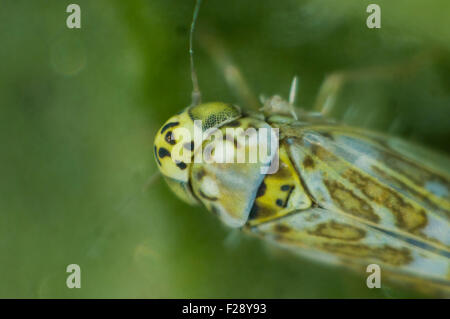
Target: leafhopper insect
{"x": 342, "y": 195}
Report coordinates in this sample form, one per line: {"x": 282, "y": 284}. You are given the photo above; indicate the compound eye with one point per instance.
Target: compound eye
{"x": 214, "y": 114}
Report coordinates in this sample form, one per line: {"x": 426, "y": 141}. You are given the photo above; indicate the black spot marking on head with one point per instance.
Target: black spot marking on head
{"x": 181, "y": 165}
{"x": 261, "y": 190}
{"x": 169, "y": 138}
{"x": 155, "y": 149}
{"x": 162, "y": 152}
{"x": 189, "y": 146}
{"x": 169, "y": 125}
{"x": 279, "y": 202}
{"x": 285, "y": 187}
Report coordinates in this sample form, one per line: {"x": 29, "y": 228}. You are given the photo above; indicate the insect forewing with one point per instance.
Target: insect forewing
{"x": 363, "y": 177}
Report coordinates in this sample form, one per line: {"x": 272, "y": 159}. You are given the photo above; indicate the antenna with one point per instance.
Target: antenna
{"x": 196, "y": 94}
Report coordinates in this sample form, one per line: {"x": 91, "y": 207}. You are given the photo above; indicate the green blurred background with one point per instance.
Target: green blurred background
{"x": 79, "y": 110}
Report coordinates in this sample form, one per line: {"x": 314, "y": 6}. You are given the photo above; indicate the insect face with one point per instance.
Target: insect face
{"x": 174, "y": 144}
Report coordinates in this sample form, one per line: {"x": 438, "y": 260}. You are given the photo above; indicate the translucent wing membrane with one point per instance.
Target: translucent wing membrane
{"x": 338, "y": 238}
{"x": 361, "y": 175}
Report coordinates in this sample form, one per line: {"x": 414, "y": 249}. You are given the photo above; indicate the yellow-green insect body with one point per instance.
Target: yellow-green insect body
{"x": 177, "y": 173}
{"x": 342, "y": 195}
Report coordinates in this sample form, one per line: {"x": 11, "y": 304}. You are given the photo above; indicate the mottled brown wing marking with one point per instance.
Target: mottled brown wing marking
{"x": 409, "y": 190}
{"x": 407, "y": 216}
{"x": 335, "y": 230}
{"x": 281, "y": 228}
{"x": 389, "y": 255}
{"x": 335, "y": 238}
{"x": 322, "y": 153}
{"x": 342, "y": 177}
{"x": 418, "y": 166}
{"x": 350, "y": 202}
{"x": 414, "y": 171}
{"x": 308, "y": 162}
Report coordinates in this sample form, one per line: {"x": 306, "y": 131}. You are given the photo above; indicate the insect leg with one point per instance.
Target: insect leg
{"x": 292, "y": 96}
{"x": 233, "y": 75}
{"x": 150, "y": 180}
{"x": 334, "y": 82}
{"x": 293, "y": 90}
